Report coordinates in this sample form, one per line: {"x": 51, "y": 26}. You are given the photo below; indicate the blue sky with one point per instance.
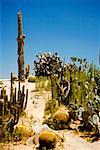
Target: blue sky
{"x": 69, "y": 27}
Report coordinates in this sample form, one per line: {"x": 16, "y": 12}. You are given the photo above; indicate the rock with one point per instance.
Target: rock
{"x": 95, "y": 119}
{"x": 30, "y": 141}
{"x": 38, "y": 128}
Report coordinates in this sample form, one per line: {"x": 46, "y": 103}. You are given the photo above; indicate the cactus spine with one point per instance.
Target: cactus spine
{"x": 20, "y": 40}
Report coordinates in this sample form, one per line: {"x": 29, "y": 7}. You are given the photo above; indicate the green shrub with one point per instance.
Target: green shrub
{"x": 47, "y": 85}
{"x": 43, "y": 83}
{"x": 1, "y": 83}
{"x": 51, "y": 106}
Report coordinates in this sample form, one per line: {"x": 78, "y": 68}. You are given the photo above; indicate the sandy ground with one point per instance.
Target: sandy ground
{"x": 35, "y": 108}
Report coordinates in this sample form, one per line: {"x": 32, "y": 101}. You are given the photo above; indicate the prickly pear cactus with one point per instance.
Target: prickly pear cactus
{"x": 47, "y": 64}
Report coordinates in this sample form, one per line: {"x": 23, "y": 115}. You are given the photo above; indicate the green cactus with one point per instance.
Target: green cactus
{"x": 11, "y": 110}
{"x": 47, "y": 139}
{"x": 61, "y": 116}
{"x": 31, "y": 78}
{"x": 27, "y": 71}
{"x": 20, "y": 40}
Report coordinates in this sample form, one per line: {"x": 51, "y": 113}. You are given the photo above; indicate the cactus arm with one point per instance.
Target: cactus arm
{"x": 26, "y": 99}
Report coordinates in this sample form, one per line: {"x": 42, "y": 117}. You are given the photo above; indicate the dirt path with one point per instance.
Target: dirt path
{"x": 36, "y": 103}
{"x": 74, "y": 142}
{"x": 35, "y": 108}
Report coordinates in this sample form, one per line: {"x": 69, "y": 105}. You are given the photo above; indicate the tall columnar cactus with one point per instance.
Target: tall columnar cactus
{"x": 20, "y": 40}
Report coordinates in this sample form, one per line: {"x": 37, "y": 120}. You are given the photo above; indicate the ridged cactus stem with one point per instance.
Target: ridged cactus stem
{"x": 1, "y": 108}
{"x": 52, "y": 86}
{"x": 27, "y": 69}
{"x": 3, "y": 93}
{"x": 19, "y": 86}
{"x": 22, "y": 98}
{"x": 19, "y": 92}
{"x": 20, "y": 40}
{"x": 11, "y": 90}
{"x": 5, "y": 105}
{"x": 26, "y": 99}
{"x": 16, "y": 116}
{"x": 15, "y": 97}
{"x": 1, "y": 119}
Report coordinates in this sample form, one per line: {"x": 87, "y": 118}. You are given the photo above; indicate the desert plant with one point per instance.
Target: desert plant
{"x": 47, "y": 139}
{"x": 47, "y": 64}
{"x": 50, "y": 107}
{"x": 61, "y": 119}
{"x": 21, "y": 132}
{"x": 61, "y": 116}
{"x": 1, "y": 83}
{"x": 11, "y": 109}
{"x": 15, "y": 78}
{"x": 3, "y": 92}
{"x": 27, "y": 71}
{"x": 31, "y": 78}
{"x": 20, "y": 40}
{"x": 42, "y": 83}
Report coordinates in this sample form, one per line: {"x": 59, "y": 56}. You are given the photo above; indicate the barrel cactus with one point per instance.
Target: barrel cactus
{"x": 22, "y": 132}
{"x": 31, "y": 78}
{"x": 15, "y": 78}
{"x": 47, "y": 139}
{"x": 61, "y": 116}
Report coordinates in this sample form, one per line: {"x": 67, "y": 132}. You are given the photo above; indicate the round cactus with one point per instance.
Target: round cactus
{"x": 31, "y": 78}
{"x": 61, "y": 116}
{"x": 15, "y": 78}
{"x": 23, "y": 132}
{"x": 47, "y": 139}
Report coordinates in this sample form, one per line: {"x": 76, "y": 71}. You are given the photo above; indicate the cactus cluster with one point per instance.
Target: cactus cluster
{"x": 11, "y": 109}
{"x": 78, "y": 88}
{"x": 83, "y": 99}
